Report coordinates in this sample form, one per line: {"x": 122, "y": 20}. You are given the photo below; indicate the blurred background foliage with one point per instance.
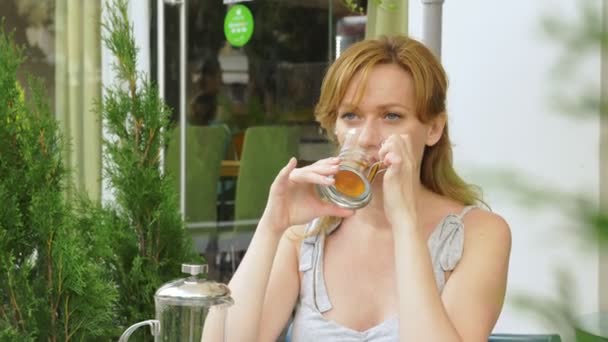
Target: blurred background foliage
{"x": 574, "y": 95}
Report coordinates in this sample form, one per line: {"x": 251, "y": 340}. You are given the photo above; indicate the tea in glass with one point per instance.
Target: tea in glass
{"x": 351, "y": 188}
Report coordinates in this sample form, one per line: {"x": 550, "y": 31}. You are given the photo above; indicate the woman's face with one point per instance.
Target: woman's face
{"x": 387, "y": 107}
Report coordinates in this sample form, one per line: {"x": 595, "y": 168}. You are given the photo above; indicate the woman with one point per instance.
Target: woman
{"x": 419, "y": 263}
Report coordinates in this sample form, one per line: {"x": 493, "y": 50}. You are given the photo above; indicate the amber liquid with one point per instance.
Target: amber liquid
{"x": 349, "y": 183}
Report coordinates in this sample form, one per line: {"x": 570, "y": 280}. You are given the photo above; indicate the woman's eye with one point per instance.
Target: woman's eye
{"x": 393, "y": 116}
{"x": 348, "y": 116}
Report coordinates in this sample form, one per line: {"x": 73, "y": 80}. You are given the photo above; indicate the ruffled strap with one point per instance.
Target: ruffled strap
{"x": 447, "y": 244}
{"x": 450, "y": 242}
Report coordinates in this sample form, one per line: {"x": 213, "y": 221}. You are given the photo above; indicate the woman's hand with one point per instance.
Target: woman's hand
{"x": 293, "y": 199}
{"x": 400, "y": 179}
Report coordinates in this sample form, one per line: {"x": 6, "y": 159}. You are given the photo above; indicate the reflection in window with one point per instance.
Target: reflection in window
{"x": 274, "y": 80}
{"x": 32, "y": 22}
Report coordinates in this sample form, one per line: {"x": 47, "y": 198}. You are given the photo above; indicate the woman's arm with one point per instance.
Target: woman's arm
{"x": 264, "y": 289}
{"x": 474, "y": 295}
{"x": 283, "y": 287}
{"x": 472, "y": 298}
{"x": 248, "y": 287}
{"x": 291, "y": 201}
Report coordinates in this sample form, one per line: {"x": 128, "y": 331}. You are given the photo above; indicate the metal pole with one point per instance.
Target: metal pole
{"x": 160, "y": 47}
{"x": 182, "y": 106}
{"x": 432, "y": 11}
{"x": 160, "y": 67}
{"x": 182, "y": 86}
{"x": 330, "y": 26}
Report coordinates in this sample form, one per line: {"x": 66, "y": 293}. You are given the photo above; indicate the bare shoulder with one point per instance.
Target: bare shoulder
{"x": 483, "y": 227}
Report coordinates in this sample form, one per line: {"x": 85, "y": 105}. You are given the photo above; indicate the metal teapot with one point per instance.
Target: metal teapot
{"x": 182, "y": 307}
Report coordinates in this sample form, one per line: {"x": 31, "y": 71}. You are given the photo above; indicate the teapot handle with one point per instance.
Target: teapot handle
{"x": 154, "y": 329}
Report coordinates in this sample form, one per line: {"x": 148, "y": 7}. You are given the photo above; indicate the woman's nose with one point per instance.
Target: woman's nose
{"x": 370, "y": 136}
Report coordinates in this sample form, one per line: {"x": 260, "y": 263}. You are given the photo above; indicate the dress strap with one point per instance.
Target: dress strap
{"x": 321, "y": 298}
{"x": 465, "y": 210}
{"x": 313, "y": 288}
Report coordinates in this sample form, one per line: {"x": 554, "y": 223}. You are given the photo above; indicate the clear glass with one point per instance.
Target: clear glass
{"x": 180, "y": 323}
{"x": 357, "y": 169}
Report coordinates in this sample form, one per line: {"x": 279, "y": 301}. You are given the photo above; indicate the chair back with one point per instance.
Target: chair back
{"x": 205, "y": 149}
{"x": 524, "y": 338}
{"x": 266, "y": 150}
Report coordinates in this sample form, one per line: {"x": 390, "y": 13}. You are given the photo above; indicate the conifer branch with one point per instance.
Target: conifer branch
{"x": 151, "y": 136}
{"x": 3, "y": 313}
{"x": 66, "y": 321}
{"x": 59, "y": 282}
{"x": 49, "y": 269}
{"x": 13, "y": 298}
{"x": 41, "y": 142}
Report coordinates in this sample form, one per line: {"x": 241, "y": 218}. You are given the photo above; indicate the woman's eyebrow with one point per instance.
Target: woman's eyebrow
{"x": 396, "y": 105}
{"x": 348, "y": 106}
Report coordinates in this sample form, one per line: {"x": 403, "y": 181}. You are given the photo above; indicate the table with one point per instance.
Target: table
{"x": 230, "y": 168}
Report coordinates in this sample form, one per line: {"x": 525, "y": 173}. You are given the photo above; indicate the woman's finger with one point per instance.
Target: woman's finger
{"x": 392, "y": 145}
{"x": 323, "y": 169}
{"x": 323, "y": 163}
{"x": 330, "y": 160}
{"x": 409, "y": 160}
{"x": 284, "y": 174}
{"x": 308, "y": 176}
{"x": 392, "y": 159}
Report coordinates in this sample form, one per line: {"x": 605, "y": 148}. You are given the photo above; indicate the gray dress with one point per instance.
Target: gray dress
{"x": 445, "y": 245}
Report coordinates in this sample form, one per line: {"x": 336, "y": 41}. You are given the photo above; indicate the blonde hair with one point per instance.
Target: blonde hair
{"x": 430, "y": 86}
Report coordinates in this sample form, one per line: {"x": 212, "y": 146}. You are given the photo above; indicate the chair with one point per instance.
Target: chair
{"x": 205, "y": 149}
{"x": 266, "y": 149}
{"x": 524, "y": 338}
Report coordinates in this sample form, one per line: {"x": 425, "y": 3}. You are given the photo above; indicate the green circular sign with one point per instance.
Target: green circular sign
{"x": 238, "y": 25}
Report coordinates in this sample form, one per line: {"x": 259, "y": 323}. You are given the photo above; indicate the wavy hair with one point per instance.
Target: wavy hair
{"x": 430, "y": 86}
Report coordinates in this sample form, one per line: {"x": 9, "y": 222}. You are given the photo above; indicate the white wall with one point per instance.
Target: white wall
{"x": 499, "y": 64}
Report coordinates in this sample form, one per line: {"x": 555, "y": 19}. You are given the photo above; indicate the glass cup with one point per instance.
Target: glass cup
{"x": 356, "y": 171}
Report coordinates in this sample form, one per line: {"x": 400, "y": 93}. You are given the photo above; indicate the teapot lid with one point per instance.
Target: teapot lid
{"x": 193, "y": 291}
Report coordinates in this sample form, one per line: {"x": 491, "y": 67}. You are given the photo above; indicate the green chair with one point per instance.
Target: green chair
{"x": 205, "y": 149}
{"x": 524, "y": 338}
{"x": 266, "y": 150}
